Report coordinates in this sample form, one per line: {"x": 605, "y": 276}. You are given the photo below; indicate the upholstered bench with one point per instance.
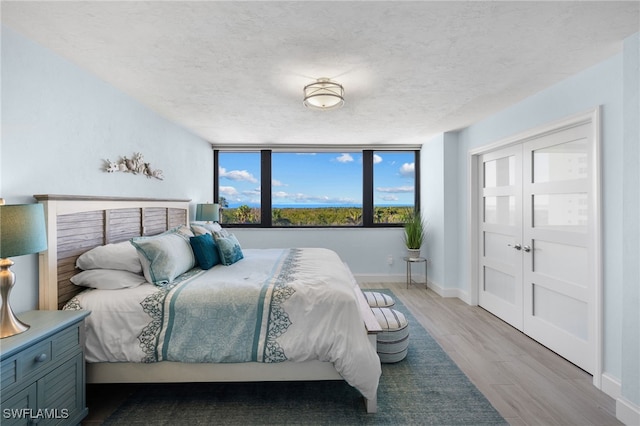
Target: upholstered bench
{"x": 378, "y": 300}
{"x": 393, "y": 341}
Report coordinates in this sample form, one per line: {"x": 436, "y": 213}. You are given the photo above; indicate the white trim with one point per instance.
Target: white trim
{"x": 593, "y": 116}
{"x": 473, "y": 226}
{"x": 597, "y": 248}
{"x": 627, "y": 412}
{"x": 380, "y": 278}
{"x": 315, "y": 147}
{"x": 611, "y": 386}
{"x": 449, "y": 292}
{"x": 567, "y": 122}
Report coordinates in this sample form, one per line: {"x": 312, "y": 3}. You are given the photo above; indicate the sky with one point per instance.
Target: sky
{"x": 317, "y": 179}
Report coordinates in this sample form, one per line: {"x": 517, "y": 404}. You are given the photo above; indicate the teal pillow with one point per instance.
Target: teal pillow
{"x": 205, "y": 251}
{"x": 229, "y": 249}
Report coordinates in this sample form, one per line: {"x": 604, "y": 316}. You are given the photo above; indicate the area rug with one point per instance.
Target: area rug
{"x": 427, "y": 388}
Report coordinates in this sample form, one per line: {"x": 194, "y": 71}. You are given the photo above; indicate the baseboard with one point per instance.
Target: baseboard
{"x": 449, "y": 292}
{"x": 627, "y": 412}
{"x": 611, "y": 386}
{"x": 381, "y": 278}
{"x": 401, "y": 278}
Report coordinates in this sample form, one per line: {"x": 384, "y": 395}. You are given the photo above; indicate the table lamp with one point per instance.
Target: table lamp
{"x": 22, "y": 231}
{"x": 208, "y": 212}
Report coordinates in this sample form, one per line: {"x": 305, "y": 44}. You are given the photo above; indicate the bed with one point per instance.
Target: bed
{"x": 289, "y": 287}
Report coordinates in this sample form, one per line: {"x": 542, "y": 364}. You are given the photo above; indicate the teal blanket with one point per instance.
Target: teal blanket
{"x": 203, "y": 318}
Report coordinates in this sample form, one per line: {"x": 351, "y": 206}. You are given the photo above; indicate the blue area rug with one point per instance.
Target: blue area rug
{"x": 426, "y": 388}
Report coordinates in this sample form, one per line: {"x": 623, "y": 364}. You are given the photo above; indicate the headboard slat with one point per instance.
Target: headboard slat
{"x": 155, "y": 221}
{"x": 176, "y": 217}
{"x": 123, "y": 224}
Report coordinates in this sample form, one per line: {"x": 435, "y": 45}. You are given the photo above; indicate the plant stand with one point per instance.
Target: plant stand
{"x": 410, "y": 261}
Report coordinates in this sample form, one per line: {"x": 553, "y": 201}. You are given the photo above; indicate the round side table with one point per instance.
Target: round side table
{"x": 410, "y": 261}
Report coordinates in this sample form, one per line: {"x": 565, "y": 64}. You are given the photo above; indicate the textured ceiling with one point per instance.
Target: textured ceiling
{"x": 233, "y": 72}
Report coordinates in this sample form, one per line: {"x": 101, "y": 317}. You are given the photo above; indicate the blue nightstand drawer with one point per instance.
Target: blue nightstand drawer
{"x": 35, "y": 359}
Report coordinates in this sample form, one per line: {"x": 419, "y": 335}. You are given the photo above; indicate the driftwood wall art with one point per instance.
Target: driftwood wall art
{"x": 135, "y": 165}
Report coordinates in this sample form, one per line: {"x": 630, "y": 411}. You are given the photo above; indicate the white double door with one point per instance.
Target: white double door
{"x": 536, "y": 227}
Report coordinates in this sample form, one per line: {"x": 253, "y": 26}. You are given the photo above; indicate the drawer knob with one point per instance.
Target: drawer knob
{"x": 41, "y": 358}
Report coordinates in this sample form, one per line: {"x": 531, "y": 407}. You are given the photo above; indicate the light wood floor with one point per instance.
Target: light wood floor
{"x": 527, "y": 383}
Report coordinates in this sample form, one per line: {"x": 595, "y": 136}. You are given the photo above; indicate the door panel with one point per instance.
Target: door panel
{"x": 561, "y": 212}
{"x": 559, "y": 274}
{"x": 561, "y": 261}
{"x": 501, "y": 222}
{"x": 561, "y": 311}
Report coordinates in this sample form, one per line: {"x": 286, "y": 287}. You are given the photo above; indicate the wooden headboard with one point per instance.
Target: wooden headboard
{"x": 76, "y": 224}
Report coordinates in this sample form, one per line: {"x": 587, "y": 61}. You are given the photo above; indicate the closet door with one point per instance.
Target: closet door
{"x": 501, "y": 257}
{"x": 558, "y": 244}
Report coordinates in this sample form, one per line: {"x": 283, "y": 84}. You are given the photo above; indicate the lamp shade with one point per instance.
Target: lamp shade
{"x": 324, "y": 95}
{"x": 207, "y": 212}
{"x": 22, "y": 230}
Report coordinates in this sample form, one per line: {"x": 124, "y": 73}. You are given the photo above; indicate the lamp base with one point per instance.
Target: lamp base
{"x": 9, "y": 324}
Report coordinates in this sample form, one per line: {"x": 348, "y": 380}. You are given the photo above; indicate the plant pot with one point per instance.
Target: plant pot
{"x": 413, "y": 253}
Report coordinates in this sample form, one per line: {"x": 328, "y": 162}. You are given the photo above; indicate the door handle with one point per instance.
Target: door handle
{"x": 517, "y": 246}
{"x": 526, "y": 248}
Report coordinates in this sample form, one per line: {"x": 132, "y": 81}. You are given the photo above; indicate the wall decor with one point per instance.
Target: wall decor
{"x": 135, "y": 165}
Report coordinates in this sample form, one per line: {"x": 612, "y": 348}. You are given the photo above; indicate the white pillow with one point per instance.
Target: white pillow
{"x": 182, "y": 229}
{"x": 200, "y": 227}
{"x": 107, "y": 279}
{"x": 122, "y": 256}
{"x": 164, "y": 257}
{"x": 199, "y": 230}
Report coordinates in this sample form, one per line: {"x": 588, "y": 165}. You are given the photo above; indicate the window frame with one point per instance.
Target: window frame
{"x": 368, "y": 201}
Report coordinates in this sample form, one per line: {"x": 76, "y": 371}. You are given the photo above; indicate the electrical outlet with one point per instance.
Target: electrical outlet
{"x": 390, "y": 259}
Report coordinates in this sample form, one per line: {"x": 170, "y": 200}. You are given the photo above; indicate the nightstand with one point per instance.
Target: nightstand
{"x": 42, "y": 370}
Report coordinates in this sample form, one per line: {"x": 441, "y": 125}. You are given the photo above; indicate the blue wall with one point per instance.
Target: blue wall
{"x": 631, "y": 222}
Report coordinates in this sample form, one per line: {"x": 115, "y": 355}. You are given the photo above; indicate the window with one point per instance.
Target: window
{"x": 394, "y": 186}
{"x": 316, "y": 189}
{"x": 239, "y": 187}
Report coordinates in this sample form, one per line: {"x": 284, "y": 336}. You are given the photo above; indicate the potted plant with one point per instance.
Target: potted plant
{"x": 414, "y": 234}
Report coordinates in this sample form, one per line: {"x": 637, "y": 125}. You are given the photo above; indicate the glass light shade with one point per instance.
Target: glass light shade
{"x": 208, "y": 212}
{"x": 324, "y": 94}
{"x": 22, "y": 230}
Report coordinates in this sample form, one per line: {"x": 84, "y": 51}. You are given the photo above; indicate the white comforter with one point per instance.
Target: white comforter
{"x": 324, "y": 319}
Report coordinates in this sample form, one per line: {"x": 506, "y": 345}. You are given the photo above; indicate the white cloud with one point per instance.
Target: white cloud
{"x": 229, "y": 191}
{"x": 237, "y": 175}
{"x": 389, "y": 198}
{"x": 408, "y": 169}
{"x": 345, "y": 158}
{"x": 252, "y": 192}
{"x": 275, "y": 182}
{"x": 395, "y": 190}
{"x": 377, "y": 159}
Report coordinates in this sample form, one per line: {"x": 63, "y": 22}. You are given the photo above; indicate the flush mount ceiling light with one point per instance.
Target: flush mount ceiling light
{"x": 324, "y": 94}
